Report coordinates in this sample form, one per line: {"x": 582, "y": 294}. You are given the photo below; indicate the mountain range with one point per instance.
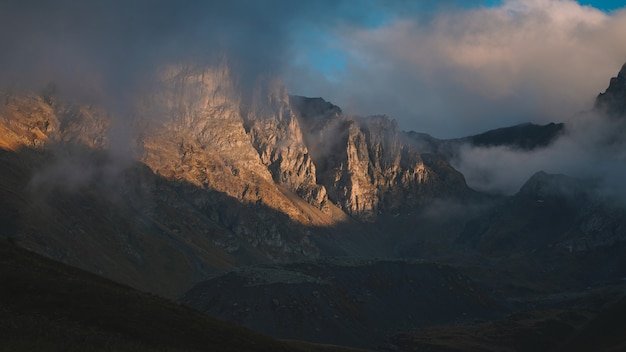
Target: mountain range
{"x": 289, "y": 216}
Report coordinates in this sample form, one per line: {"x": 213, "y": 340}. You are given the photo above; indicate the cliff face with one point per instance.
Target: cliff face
{"x": 196, "y": 131}
{"x": 273, "y": 147}
{"x": 254, "y": 154}
{"x": 38, "y": 121}
{"x": 197, "y": 199}
{"x": 368, "y": 167}
{"x": 213, "y": 179}
{"x": 276, "y": 134}
{"x": 613, "y": 100}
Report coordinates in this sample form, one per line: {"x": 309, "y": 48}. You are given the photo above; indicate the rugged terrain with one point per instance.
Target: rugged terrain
{"x": 195, "y": 184}
{"x": 344, "y": 301}
{"x": 291, "y": 217}
{"x": 49, "y": 306}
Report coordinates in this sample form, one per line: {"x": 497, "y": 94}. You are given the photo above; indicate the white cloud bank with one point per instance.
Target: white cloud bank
{"x": 463, "y": 71}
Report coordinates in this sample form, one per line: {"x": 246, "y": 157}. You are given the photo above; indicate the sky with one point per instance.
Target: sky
{"x": 449, "y": 68}
{"x": 465, "y": 67}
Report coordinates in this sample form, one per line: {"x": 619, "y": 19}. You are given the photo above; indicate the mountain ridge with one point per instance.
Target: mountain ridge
{"x": 200, "y": 183}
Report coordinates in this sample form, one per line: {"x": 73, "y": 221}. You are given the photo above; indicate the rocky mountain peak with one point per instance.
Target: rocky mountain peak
{"x": 367, "y": 167}
{"x": 312, "y": 108}
{"x": 613, "y": 100}
{"x": 542, "y": 186}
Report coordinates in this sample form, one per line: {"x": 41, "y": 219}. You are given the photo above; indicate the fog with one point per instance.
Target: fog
{"x": 459, "y": 71}
{"x": 592, "y": 147}
{"x": 452, "y": 69}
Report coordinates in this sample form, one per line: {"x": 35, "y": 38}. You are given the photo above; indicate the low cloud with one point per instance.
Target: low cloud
{"x": 591, "y": 148}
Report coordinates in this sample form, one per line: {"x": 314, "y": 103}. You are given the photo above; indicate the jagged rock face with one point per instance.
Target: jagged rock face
{"x": 216, "y": 181}
{"x": 367, "y": 168}
{"x": 36, "y": 121}
{"x": 204, "y": 140}
{"x": 206, "y": 196}
{"x": 551, "y": 212}
{"x": 613, "y": 100}
{"x": 276, "y": 134}
{"x": 201, "y": 137}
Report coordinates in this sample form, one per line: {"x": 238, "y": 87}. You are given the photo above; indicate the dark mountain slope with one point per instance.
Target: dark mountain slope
{"x": 527, "y": 136}
{"x": 138, "y": 228}
{"x": 613, "y": 100}
{"x": 557, "y": 232}
{"x": 356, "y": 302}
{"x": 49, "y": 306}
{"x": 604, "y": 333}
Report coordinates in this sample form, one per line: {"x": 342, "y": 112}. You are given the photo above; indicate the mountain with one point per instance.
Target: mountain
{"x": 48, "y": 306}
{"x": 366, "y": 165}
{"x": 525, "y": 137}
{"x": 197, "y": 181}
{"x": 346, "y": 301}
{"x": 152, "y": 224}
{"x": 564, "y": 231}
{"x": 613, "y": 100}
{"x": 292, "y": 217}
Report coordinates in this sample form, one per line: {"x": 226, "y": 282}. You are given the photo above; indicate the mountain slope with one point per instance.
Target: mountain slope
{"x": 366, "y": 165}
{"x": 197, "y": 182}
{"x": 355, "y": 302}
{"x": 139, "y": 228}
{"x": 526, "y": 136}
{"x": 557, "y": 231}
{"x": 613, "y": 100}
{"x": 48, "y": 306}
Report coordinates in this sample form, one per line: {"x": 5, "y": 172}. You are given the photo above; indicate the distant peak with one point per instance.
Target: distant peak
{"x": 613, "y": 100}
{"x": 314, "y": 107}
{"x": 544, "y": 185}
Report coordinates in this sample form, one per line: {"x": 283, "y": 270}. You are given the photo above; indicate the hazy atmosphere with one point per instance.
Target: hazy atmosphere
{"x": 451, "y": 69}
{"x": 323, "y": 175}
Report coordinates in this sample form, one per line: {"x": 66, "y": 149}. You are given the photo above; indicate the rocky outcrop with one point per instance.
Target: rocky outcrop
{"x": 316, "y": 301}
{"x": 551, "y": 212}
{"x": 276, "y": 134}
{"x": 200, "y": 173}
{"x": 205, "y": 198}
{"x": 613, "y": 100}
{"x": 200, "y": 137}
{"x": 367, "y": 167}
{"x": 30, "y": 120}
{"x": 203, "y": 139}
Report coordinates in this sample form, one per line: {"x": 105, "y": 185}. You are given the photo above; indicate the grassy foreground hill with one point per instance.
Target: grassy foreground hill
{"x": 49, "y": 306}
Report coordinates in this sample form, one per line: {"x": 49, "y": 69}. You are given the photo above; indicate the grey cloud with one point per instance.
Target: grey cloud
{"x": 592, "y": 148}
{"x": 100, "y": 48}
{"x": 463, "y": 71}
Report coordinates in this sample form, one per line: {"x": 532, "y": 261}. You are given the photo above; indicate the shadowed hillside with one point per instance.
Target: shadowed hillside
{"x": 49, "y": 306}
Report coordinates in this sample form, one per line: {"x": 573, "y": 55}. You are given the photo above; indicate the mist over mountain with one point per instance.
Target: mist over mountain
{"x": 214, "y": 184}
{"x": 589, "y": 146}
{"x": 173, "y": 147}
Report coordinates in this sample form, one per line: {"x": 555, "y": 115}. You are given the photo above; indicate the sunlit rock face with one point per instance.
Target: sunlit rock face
{"x": 206, "y": 198}
{"x": 276, "y": 134}
{"x": 366, "y": 165}
{"x": 197, "y": 134}
{"x": 209, "y": 137}
{"x": 32, "y": 120}
{"x": 200, "y": 170}
{"x": 613, "y": 100}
